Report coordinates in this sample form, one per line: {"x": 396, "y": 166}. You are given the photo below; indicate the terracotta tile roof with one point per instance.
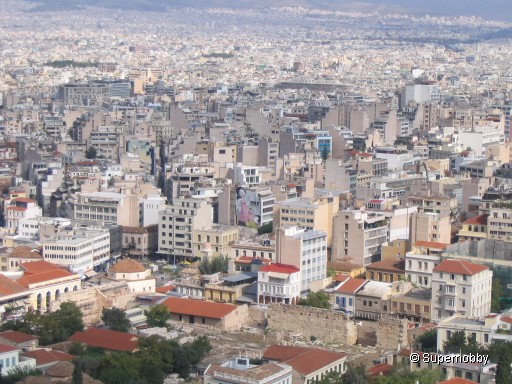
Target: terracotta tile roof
{"x": 17, "y": 337}
{"x": 458, "y": 380}
{"x": 341, "y": 278}
{"x": 387, "y": 265}
{"x": 35, "y": 278}
{"x": 492, "y": 315}
{"x": 480, "y": 220}
{"x": 10, "y": 287}
{"x": 44, "y": 356}
{"x": 165, "y": 288}
{"x": 459, "y": 267}
{"x": 61, "y": 369}
{"x": 379, "y": 369}
{"x": 25, "y": 253}
{"x": 431, "y": 244}
{"x": 7, "y": 348}
{"x": 106, "y": 339}
{"x": 302, "y": 359}
{"x": 506, "y": 319}
{"x": 280, "y": 268}
{"x": 32, "y": 267}
{"x": 127, "y": 266}
{"x": 23, "y": 200}
{"x": 198, "y": 308}
{"x": 351, "y": 285}
{"x": 18, "y": 209}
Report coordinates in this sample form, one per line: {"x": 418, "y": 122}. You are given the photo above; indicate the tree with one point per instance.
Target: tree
{"x": 456, "y": 342}
{"x": 496, "y": 294}
{"x": 355, "y": 375}
{"x": 331, "y": 271}
{"x": 78, "y": 377}
{"x": 317, "y": 300}
{"x": 215, "y": 264}
{"x": 91, "y": 153}
{"x": 158, "y": 316}
{"x": 428, "y": 340}
{"x": 69, "y": 318}
{"x": 115, "y": 318}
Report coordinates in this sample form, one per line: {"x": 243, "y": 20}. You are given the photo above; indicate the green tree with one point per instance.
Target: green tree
{"x": 116, "y": 319}
{"x": 428, "y": 340}
{"x": 119, "y": 368}
{"x": 91, "y": 153}
{"x": 78, "y": 377}
{"x": 158, "y": 316}
{"x": 502, "y": 353}
{"x": 355, "y": 375}
{"x": 69, "y": 318}
{"x": 316, "y": 299}
{"x": 331, "y": 378}
{"x": 215, "y": 264}
{"x": 456, "y": 342}
{"x": 496, "y": 294}
{"x": 331, "y": 271}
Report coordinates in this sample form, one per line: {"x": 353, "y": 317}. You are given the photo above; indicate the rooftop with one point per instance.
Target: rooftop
{"x": 127, "y": 266}
{"x": 198, "y": 308}
{"x": 106, "y": 339}
{"x": 459, "y": 267}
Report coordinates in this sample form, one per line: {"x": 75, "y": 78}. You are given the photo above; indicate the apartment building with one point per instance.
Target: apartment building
{"x": 311, "y": 214}
{"x": 430, "y": 227}
{"x": 178, "y": 223}
{"x": 499, "y": 222}
{"x": 359, "y": 234}
{"x": 442, "y": 205}
{"x": 474, "y": 228}
{"x": 18, "y": 209}
{"x": 279, "y": 283}
{"x": 78, "y": 249}
{"x": 420, "y": 262}
{"x": 214, "y": 241}
{"x": 460, "y": 288}
{"x": 140, "y": 241}
{"x": 107, "y": 207}
{"x": 307, "y": 251}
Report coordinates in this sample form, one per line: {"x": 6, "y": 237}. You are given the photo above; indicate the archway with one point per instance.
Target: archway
{"x": 48, "y": 300}
{"x": 57, "y": 294}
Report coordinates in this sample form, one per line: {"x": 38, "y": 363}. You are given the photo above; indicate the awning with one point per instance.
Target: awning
{"x": 90, "y": 273}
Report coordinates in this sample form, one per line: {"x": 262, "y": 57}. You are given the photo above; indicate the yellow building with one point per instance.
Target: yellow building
{"x": 230, "y": 289}
{"x": 214, "y": 241}
{"x": 346, "y": 267}
{"x": 410, "y": 303}
{"x": 387, "y": 271}
{"x": 474, "y": 229}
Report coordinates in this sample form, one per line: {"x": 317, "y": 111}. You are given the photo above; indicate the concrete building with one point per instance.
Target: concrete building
{"x": 107, "y": 207}
{"x": 499, "y": 222}
{"x": 140, "y": 242}
{"x": 214, "y": 241}
{"x": 372, "y": 300}
{"x": 460, "y": 288}
{"x": 305, "y": 250}
{"x": 359, "y": 235}
{"x": 178, "y": 223}
{"x": 279, "y": 283}
{"x": 430, "y": 227}
{"x": 18, "y": 209}
{"x": 420, "y": 263}
{"x": 312, "y": 214}
{"x": 481, "y": 137}
{"x": 240, "y": 370}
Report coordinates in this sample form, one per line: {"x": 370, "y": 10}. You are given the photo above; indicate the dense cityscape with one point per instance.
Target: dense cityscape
{"x": 285, "y": 194}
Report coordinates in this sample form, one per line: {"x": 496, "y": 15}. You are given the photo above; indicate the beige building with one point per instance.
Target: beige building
{"x": 178, "y": 223}
{"x": 442, "y": 205}
{"x": 474, "y": 228}
{"x": 499, "y": 222}
{"x": 214, "y": 241}
{"x": 107, "y": 207}
{"x": 140, "y": 242}
{"x": 430, "y": 227}
{"x": 359, "y": 235}
{"x": 311, "y": 214}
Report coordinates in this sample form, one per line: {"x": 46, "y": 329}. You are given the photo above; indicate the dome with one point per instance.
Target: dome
{"x": 127, "y": 266}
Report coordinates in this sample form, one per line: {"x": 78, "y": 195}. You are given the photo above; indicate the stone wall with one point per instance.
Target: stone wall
{"x": 324, "y": 324}
{"x": 392, "y": 333}
{"x": 92, "y": 300}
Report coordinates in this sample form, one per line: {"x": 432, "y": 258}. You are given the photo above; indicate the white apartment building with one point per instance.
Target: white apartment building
{"x": 149, "y": 209}
{"x": 107, "y": 207}
{"x": 480, "y": 137}
{"x": 278, "y": 283}
{"x": 247, "y": 175}
{"x": 460, "y": 288}
{"x": 80, "y": 250}
{"x": 18, "y": 209}
{"x": 307, "y": 251}
{"x": 176, "y": 226}
{"x": 420, "y": 263}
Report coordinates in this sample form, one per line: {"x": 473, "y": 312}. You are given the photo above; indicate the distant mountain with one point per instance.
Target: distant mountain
{"x": 490, "y": 9}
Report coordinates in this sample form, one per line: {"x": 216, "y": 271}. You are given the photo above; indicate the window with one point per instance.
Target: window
{"x": 452, "y": 276}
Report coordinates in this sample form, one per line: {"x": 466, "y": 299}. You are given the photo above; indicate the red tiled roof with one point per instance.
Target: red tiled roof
{"x": 480, "y": 220}
{"x": 459, "y": 267}
{"x": 25, "y": 252}
{"x": 32, "y": 267}
{"x": 7, "y": 348}
{"x": 458, "y": 380}
{"x": 17, "y": 337}
{"x": 44, "y": 276}
{"x": 10, "y": 287}
{"x": 301, "y": 359}
{"x": 18, "y": 209}
{"x": 379, "y": 369}
{"x": 44, "y": 356}
{"x": 506, "y": 319}
{"x": 431, "y": 244}
{"x": 351, "y": 285}
{"x": 341, "y": 278}
{"x": 280, "y": 268}
{"x": 198, "y": 308}
{"x": 165, "y": 288}
{"x": 492, "y": 315}
{"x": 106, "y": 339}
{"x": 127, "y": 266}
